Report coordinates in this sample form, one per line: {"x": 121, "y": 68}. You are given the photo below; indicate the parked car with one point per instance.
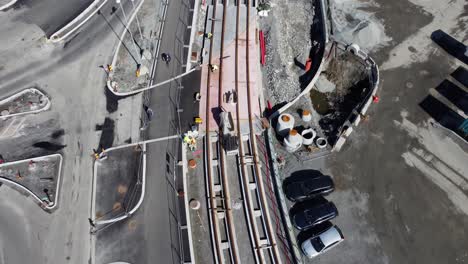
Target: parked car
{"x": 306, "y": 188}
{"x": 307, "y": 214}
{"x": 322, "y": 241}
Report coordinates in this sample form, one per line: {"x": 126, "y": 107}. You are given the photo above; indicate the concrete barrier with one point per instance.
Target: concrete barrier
{"x": 77, "y": 22}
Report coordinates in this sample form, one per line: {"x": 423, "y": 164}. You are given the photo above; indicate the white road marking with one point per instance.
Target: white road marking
{"x": 12, "y": 128}
{"x": 458, "y": 198}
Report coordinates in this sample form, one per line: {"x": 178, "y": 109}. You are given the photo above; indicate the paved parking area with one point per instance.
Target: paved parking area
{"x": 401, "y": 182}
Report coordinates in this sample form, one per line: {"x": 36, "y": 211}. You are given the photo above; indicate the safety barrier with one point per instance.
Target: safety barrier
{"x": 360, "y": 110}
{"x": 46, "y": 206}
{"x": 77, "y": 22}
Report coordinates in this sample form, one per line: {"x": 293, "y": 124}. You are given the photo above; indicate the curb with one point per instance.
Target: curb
{"x": 64, "y": 32}
{"x": 50, "y": 206}
{"x": 32, "y": 90}
{"x": 5, "y": 6}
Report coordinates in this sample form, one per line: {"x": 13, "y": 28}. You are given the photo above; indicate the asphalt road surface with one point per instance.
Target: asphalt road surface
{"x": 70, "y": 75}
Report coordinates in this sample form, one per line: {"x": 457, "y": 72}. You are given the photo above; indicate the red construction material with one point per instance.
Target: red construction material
{"x": 375, "y": 99}
{"x": 308, "y": 64}
{"x": 262, "y": 47}
{"x": 269, "y": 105}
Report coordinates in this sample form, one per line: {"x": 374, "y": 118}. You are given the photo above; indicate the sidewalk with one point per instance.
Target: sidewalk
{"x": 132, "y": 56}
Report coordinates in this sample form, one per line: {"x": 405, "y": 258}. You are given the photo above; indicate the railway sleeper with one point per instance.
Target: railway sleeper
{"x": 217, "y": 188}
{"x": 221, "y": 213}
{"x": 252, "y": 186}
{"x": 264, "y": 244}
{"x": 225, "y": 245}
{"x": 257, "y": 213}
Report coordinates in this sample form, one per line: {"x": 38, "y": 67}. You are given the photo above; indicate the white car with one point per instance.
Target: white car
{"x": 322, "y": 242}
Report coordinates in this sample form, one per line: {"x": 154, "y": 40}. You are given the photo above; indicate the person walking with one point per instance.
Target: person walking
{"x": 166, "y": 57}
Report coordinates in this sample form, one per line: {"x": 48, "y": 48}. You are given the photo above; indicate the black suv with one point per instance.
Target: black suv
{"x": 302, "y": 188}
{"x": 305, "y": 215}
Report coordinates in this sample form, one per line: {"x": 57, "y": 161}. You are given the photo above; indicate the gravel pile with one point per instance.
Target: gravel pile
{"x": 287, "y": 32}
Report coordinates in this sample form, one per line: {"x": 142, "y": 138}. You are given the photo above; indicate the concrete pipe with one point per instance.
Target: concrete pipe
{"x": 306, "y": 116}
{"x": 354, "y": 48}
{"x": 308, "y": 136}
{"x": 293, "y": 141}
{"x": 321, "y": 142}
{"x": 194, "y": 204}
{"x": 285, "y": 124}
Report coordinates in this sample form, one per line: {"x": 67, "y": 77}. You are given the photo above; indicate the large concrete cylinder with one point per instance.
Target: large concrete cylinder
{"x": 293, "y": 141}
{"x": 308, "y": 136}
{"x": 285, "y": 124}
{"x": 306, "y": 116}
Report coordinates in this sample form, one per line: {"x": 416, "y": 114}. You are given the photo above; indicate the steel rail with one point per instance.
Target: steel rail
{"x": 260, "y": 188}
{"x": 222, "y": 157}
{"x": 212, "y": 193}
{"x": 254, "y": 235}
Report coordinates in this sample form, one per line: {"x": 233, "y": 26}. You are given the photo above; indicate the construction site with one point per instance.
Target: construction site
{"x": 308, "y": 104}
